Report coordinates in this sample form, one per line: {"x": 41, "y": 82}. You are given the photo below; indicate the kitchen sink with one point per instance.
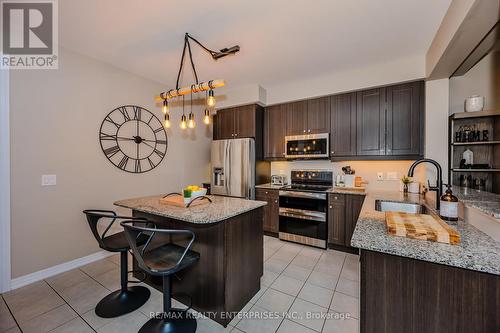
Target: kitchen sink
{"x": 405, "y": 207}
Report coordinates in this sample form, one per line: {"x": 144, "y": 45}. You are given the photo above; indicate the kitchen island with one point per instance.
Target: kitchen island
{"x": 410, "y": 285}
{"x": 229, "y": 239}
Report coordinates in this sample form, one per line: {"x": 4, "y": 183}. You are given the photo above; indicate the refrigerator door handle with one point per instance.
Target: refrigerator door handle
{"x": 227, "y": 163}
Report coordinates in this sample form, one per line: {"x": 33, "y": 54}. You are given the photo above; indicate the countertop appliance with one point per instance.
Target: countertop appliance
{"x": 311, "y": 146}
{"x": 281, "y": 180}
{"x": 303, "y": 207}
{"x": 233, "y": 168}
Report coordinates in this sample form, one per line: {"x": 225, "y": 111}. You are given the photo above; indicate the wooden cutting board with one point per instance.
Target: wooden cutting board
{"x": 420, "y": 226}
{"x": 178, "y": 201}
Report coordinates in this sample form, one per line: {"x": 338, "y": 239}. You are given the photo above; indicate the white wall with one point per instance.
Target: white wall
{"x": 436, "y": 126}
{"x": 407, "y": 69}
{"x": 483, "y": 79}
{"x": 366, "y": 169}
{"x": 55, "y": 119}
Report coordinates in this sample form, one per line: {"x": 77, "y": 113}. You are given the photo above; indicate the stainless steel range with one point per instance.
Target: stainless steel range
{"x": 303, "y": 207}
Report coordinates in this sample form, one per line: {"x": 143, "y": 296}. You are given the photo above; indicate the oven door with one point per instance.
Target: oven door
{"x": 307, "y": 146}
{"x": 302, "y": 217}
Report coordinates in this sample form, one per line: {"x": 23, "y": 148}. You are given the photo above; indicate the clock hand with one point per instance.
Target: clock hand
{"x": 147, "y": 144}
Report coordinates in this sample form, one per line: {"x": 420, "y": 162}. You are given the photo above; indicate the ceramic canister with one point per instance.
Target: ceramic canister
{"x": 474, "y": 103}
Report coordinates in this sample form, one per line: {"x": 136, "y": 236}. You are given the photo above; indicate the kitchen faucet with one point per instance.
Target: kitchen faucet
{"x": 439, "y": 182}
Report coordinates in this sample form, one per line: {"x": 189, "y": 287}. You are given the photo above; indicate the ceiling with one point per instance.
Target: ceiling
{"x": 280, "y": 40}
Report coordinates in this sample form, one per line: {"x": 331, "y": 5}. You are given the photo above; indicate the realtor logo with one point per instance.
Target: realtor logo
{"x": 29, "y": 34}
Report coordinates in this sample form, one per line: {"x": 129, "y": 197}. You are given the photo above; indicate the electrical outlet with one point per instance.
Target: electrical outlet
{"x": 393, "y": 175}
{"x": 49, "y": 180}
{"x": 380, "y": 176}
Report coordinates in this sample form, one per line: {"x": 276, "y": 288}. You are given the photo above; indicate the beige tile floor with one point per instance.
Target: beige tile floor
{"x": 303, "y": 290}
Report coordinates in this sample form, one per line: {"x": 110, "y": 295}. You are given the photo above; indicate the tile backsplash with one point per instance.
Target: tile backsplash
{"x": 392, "y": 171}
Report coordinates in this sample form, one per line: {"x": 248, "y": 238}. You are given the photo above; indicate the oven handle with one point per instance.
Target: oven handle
{"x": 302, "y": 214}
{"x": 297, "y": 194}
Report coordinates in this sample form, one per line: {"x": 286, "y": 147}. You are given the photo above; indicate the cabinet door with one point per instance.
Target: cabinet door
{"x": 216, "y": 128}
{"x": 245, "y": 121}
{"x": 336, "y": 219}
{"x": 274, "y": 211}
{"x": 370, "y": 135}
{"x": 270, "y": 223}
{"x": 318, "y": 115}
{"x": 296, "y": 118}
{"x": 343, "y": 125}
{"x": 353, "y": 208}
{"x": 404, "y": 119}
{"x": 274, "y": 133}
{"x": 226, "y": 123}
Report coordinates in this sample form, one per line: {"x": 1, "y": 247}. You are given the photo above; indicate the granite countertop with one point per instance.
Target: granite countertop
{"x": 476, "y": 251}
{"x": 220, "y": 209}
{"x": 486, "y": 202}
{"x": 269, "y": 186}
{"x": 340, "y": 190}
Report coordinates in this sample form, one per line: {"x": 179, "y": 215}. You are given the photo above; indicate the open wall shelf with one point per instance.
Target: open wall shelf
{"x": 484, "y": 152}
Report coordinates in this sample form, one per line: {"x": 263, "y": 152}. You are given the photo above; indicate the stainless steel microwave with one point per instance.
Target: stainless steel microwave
{"x": 307, "y": 146}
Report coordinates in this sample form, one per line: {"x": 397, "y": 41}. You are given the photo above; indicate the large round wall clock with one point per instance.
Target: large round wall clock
{"x": 133, "y": 139}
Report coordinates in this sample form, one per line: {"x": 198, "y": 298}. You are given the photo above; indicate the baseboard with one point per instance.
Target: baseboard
{"x": 57, "y": 269}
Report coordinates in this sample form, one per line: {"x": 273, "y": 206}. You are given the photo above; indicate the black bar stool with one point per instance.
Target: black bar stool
{"x": 164, "y": 261}
{"x": 127, "y": 299}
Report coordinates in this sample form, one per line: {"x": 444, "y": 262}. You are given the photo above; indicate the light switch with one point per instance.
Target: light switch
{"x": 380, "y": 176}
{"x": 49, "y": 180}
{"x": 393, "y": 175}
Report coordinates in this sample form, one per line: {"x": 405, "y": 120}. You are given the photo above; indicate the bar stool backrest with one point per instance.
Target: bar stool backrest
{"x": 133, "y": 230}
{"x": 96, "y": 216}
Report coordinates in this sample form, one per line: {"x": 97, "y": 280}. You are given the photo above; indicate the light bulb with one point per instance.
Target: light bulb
{"x": 191, "y": 123}
{"x": 211, "y": 98}
{"x": 164, "y": 109}
{"x": 206, "y": 118}
{"x": 166, "y": 123}
{"x": 183, "y": 122}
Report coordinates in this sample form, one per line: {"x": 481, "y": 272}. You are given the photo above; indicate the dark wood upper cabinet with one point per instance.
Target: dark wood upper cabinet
{"x": 274, "y": 132}
{"x": 245, "y": 121}
{"x": 370, "y": 135}
{"x": 343, "y": 125}
{"x": 318, "y": 115}
{"x": 224, "y": 124}
{"x": 238, "y": 122}
{"x": 405, "y": 119}
{"x": 296, "y": 117}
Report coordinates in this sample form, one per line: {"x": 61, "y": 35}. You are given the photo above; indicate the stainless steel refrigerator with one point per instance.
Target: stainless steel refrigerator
{"x": 233, "y": 168}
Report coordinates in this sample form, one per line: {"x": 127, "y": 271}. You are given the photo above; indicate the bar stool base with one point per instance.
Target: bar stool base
{"x": 178, "y": 322}
{"x": 121, "y": 302}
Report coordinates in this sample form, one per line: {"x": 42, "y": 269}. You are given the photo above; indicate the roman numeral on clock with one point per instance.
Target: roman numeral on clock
{"x": 111, "y": 151}
{"x": 137, "y": 166}
{"x": 123, "y": 162}
{"x": 124, "y": 112}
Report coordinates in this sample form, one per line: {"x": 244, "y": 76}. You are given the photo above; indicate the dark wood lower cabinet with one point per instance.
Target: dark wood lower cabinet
{"x": 412, "y": 296}
{"x": 343, "y": 213}
{"x": 271, "y": 210}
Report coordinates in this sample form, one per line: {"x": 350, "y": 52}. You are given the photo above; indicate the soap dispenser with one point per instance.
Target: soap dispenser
{"x": 449, "y": 205}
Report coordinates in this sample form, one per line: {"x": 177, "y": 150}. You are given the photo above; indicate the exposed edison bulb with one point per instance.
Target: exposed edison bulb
{"x": 206, "y": 118}
{"x": 183, "y": 124}
{"x": 165, "y": 108}
{"x": 166, "y": 123}
{"x": 211, "y": 98}
{"x": 191, "y": 123}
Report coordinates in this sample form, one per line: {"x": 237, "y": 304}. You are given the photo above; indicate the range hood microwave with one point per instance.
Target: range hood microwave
{"x": 311, "y": 146}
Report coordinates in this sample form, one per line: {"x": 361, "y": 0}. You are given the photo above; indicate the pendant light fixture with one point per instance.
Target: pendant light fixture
{"x": 194, "y": 88}
{"x": 183, "y": 123}
{"x": 191, "y": 123}
{"x": 211, "y": 98}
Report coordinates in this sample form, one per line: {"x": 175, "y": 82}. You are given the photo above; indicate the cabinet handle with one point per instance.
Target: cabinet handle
{"x": 275, "y": 201}
{"x": 304, "y": 131}
{"x": 267, "y": 192}
{"x": 331, "y": 206}
{"x": 333, "y": 152}
{"x": 235, "y": 134}
{"x": 309, "y": 131}
{"x": 336, "y": 198}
